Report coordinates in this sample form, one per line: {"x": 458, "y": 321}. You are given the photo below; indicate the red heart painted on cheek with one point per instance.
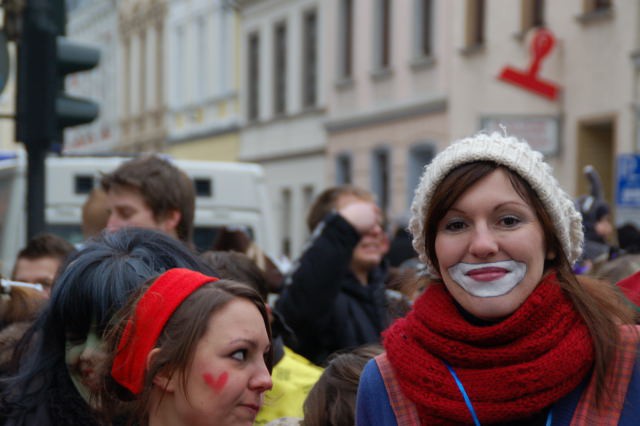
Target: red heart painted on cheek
{"x": 216, "y": 384}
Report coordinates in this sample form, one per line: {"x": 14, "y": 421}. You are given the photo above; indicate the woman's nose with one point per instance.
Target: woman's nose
{"x": 483, "y": 242}
{"x": 93, "y": 347}
{"x": 114, "y": 223}
{"x": 261, "y": 381}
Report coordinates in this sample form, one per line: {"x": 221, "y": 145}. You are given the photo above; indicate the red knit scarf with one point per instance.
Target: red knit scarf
{"x": 510, "y": 370}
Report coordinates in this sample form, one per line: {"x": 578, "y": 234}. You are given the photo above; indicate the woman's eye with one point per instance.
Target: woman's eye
{"x": 239, "y": 355}
{"x": 510, "y": 221}
{"x": 455, "y": 225}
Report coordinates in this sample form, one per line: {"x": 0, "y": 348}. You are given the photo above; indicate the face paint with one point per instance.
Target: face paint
{"x": 216, "y": 384}
{"x": 488, "y": 279}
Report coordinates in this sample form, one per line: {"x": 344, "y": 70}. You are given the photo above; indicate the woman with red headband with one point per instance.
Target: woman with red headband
{"x": 506, "y": 334}
{"x": 192, "y": 350}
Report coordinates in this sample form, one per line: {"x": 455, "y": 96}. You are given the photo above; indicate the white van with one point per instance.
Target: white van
{"x": 227, "y": 194}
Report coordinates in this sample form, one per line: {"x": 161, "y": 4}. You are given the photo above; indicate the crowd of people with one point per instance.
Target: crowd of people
{"x": 485, "y": 306}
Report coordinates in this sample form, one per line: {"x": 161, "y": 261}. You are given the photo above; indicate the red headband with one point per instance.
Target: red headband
{"x": 154, "y": 309}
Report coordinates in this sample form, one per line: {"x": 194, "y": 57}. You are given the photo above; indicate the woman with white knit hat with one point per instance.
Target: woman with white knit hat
{"x": 506, "y": 334}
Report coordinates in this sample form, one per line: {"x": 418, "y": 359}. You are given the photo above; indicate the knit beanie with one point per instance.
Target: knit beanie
{"x": 518, "y": 157}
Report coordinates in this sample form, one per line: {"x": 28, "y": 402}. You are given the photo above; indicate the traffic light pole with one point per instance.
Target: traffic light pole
{"x": 35, "y": 190}
{"x": 43, "y": 109}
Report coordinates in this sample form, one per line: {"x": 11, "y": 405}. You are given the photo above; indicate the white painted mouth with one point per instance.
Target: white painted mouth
{"x": 476, "y": 278}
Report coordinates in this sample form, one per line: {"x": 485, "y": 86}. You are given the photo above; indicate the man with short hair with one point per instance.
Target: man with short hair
{"x": 150, "y": 192}
{"x": 39, "y": 261}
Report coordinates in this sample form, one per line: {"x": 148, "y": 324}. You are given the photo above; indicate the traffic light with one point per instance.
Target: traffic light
{"x": 45, "y": 57}
{"x": 43, "y": 109}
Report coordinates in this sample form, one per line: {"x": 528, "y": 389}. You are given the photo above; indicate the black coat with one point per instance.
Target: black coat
{"x": 327, "y": 308}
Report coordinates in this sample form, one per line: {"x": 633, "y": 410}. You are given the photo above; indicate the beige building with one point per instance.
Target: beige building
{"x": 502, "y": 64}
{"x": 203, "y": 80}
{"x": 143, "y": 100}
{"x": 388, "y": 103}
{"x": 283, "y": 98}
{"x": 407, "y": 77}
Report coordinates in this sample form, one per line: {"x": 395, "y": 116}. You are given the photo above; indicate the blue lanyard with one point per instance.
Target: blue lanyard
{"x": 467, "y": 401}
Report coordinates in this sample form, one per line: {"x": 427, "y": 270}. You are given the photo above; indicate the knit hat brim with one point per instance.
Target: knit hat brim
{"x": 518, "y": 157}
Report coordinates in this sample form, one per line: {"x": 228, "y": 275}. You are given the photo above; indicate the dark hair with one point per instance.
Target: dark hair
{"x": 236, "y": 266}
{"x": 162, "y": 186}
{"x": 326, "y": 201}
{"x": 179, "y": 338}
{"x": 46, "y": 245}
{"x": 332, "y": 400}
{"x": 601, "y": 307}
{"x": 92, "y": 286}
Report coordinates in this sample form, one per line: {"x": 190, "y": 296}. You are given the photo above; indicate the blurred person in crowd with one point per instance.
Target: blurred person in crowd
{"x": 95, "y": 213}
{"x": 334, "y": 297}
{"x": 332, "y": 400}
{"x": 150, "y": 192}
{"x": 400, "y": 248}
{"x": 237, "y": 239}
{"x": 629, "y": 238}
{"x": 598, "y": 229}
{"x": 508, "y": 334}
{"x": 19, "y": 307}
{"x": 292, "y": 375}
{"x": 201, "y": 357}
{"x": 39, "y": 261}
{"x": 60, "y": 357}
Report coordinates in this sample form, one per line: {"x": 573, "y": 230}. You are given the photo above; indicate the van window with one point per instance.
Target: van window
{"x": 71, "y": 232}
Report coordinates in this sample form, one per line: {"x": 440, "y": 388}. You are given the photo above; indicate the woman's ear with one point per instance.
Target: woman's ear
{"x": 161, "y": 380}
{"x": 551, "y": 254}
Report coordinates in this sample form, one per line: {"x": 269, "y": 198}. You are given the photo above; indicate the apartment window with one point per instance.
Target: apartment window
{"x": 419, "y": 156}
{"x": 343, "y": 169}
{"x": 532, "y": 14}
{"x": 310, "y": 62}
{"x": 308, "y": 195}
{"x": 475, "y": 23}
{"x": 253, "y": 84}
{"x": 597, "y": 5}
{"x": 280, "y": 70}
{"x": 143, "y": 72}
{"x": 345, "y": 39}
{"x": 383, "y": 35}
{"x": 286, "y": 222}
{"x": 180, "y": 80}
{"x": 380, "y": 177}
{"x": 201, "y": 59}
{"x": 423, "y": 33}
{"x": 126, "y": 81}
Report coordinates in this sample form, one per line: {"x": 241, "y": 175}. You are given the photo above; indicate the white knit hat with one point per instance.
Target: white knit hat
{"x": 517, "y": 156}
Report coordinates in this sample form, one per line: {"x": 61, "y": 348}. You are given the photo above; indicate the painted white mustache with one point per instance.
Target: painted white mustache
{"x": 515, "y": 272}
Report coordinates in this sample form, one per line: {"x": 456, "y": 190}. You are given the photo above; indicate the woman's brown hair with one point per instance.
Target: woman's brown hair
{"x": 332, "y": 400}
{"x": 599, "y": 304}
{"x": 177, "y": 342}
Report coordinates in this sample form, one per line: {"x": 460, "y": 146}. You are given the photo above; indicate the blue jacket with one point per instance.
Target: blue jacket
{"x": 373, "y": 407}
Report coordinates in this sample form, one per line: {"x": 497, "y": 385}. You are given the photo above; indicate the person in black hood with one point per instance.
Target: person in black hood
{"x": 334, "y": 297}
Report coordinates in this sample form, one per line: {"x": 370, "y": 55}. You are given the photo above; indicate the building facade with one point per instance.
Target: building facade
{"x": 203, "y": 79}
{"x": 283, "y": 98}
{"x": 388, "y": 96}
{"x": 548, "y": 71}
{"x": 142, "y": 53}
{"x": 94, "y": 22}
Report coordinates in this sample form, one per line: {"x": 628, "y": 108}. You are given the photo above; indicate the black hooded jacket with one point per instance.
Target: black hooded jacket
{"x": 325, "y": 305}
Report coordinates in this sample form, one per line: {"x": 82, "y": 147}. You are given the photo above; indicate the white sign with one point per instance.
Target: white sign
{"x": 541, "y": 132}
